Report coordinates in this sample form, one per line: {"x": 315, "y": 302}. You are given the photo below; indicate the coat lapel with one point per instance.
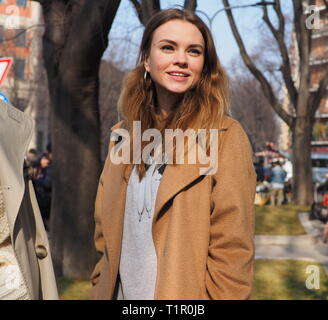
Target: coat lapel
{"x": 16, "y": 130}
{"x": 175, "y": 178}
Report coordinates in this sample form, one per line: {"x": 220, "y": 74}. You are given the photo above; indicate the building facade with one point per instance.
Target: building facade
{"x": 318, "y": 65}
{"x": 21, "y": 30}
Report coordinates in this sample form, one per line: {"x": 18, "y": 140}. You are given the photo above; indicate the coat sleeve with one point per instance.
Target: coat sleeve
{"x": 98, "y": 235}
{"x": 229, "y": 272}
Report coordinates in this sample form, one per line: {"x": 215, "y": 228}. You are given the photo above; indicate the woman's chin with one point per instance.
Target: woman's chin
{"x": 178, "y": 90}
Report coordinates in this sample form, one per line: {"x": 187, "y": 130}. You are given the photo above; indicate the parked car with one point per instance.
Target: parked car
{"x": 319, "y": 167}
{"x": 319, "y": 209}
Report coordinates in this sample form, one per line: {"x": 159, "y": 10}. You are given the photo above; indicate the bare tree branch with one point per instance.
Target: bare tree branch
{"x": 137, "y": 7}
{"x": 146, "y": 9}
{"x": 279, "y": 35}
{"x": 266, "y": 86}
{"x": 190, "y": 5}
{"x": 21, "y": 32}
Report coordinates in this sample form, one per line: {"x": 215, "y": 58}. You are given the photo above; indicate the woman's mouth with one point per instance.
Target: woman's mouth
{"x": 178, "y": 76}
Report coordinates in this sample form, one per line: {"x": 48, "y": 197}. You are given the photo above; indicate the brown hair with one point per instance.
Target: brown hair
{"x": 203, "y": 106}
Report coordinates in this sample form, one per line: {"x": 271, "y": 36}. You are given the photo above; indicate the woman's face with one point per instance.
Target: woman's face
{"x": 44, "y": 162}
{"x": 176, "y": 56}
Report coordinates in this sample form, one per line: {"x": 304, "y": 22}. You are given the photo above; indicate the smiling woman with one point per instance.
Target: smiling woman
{"x": 166, "y": 231}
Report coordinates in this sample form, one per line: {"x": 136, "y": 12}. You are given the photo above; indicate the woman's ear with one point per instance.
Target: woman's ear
{"x": 146, "y": 64}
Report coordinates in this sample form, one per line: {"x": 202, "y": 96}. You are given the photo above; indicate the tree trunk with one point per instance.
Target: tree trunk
{"x": 302, "y": 169}
{"x": 74, "y": 42}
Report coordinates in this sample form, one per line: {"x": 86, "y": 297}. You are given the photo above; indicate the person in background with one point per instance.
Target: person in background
{"x": 42, "y": 183}
{"x": 32, "y": 158}
{"x": 277, "y": 180}
{"x": 31, "y": 163}
{"x": 259, "y": 168}
{"x": 288, "y": 167}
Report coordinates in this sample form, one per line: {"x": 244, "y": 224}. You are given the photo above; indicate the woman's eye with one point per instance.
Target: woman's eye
{"x": 167, "y": 48}
{"x": 195, "y": 52}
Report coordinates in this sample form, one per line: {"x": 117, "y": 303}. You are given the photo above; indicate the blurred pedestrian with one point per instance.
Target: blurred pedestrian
{"x": 43, "y": 187}
{"x": 32, "y": 158}
{"x": 260, "y": 173}
{"x": 277, "y": 182}
{"x": 31, "y": 163}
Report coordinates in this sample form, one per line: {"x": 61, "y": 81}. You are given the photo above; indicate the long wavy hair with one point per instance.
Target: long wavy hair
{"x": 202, "y": 107}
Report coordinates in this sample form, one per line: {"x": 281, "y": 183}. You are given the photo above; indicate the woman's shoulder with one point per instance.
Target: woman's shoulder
{"x": 233, "y": 136}
{"x": 231, "y": 124}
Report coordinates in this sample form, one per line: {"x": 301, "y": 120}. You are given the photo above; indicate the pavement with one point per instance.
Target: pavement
{"x": 307, "y": 247}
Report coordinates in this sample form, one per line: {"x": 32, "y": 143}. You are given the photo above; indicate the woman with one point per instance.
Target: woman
{"x": 26, "y": 271}
{"x": 42, "y": 184}
{"x": 165, "y": 231}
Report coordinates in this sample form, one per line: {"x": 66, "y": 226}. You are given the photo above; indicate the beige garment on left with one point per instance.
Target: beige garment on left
{"x": 12, "y": 284}
{"x": 28, "y": 238}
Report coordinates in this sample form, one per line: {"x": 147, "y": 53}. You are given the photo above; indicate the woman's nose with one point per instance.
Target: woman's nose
{"x": 180, "y": 58}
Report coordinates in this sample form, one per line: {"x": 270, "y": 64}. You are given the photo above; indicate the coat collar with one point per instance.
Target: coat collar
{"x": 175, "y": 178}
{"x": 16, "y": 129}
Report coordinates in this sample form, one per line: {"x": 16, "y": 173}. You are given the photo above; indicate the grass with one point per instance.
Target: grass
{"x": 273, "y": 280}
{"x": 286, "y": 280}
{"x": 74, "y": 289}
{"x": 279, "y": 220}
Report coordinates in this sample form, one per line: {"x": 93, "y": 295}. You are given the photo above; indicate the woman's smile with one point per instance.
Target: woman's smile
{"x": 179, "y": 76}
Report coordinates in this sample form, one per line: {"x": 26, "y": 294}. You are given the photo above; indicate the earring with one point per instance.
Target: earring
{"x": 145, "y": 75}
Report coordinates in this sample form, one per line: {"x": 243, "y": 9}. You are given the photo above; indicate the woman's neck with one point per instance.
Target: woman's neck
{"x": 166, "y": 102}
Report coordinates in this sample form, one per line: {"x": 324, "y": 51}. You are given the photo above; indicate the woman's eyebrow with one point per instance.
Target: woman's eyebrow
{"x": 174, "y": 43}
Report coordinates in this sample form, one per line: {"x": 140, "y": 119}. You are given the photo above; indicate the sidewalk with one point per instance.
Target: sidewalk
{"x": 307, "y": 247}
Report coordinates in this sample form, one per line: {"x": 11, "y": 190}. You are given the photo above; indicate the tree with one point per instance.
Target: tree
{"x": 111, "y": 79}
{"x": 73, "y": 43}
{"x": 251, "y": 108}
{"x": 301, "y": 119}
{"x": 145, "y": 9}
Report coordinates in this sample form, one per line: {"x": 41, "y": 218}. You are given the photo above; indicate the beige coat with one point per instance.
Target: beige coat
{"x": 203, "y": 226}
{"x": 27, "y": 232}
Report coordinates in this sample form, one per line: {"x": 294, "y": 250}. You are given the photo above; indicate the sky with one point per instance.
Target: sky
{"x": 126, "y": 32}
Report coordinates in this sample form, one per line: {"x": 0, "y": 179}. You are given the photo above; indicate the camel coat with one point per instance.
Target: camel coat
{"x": 203, "y": 225}
{"x": 27, "y": 233}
